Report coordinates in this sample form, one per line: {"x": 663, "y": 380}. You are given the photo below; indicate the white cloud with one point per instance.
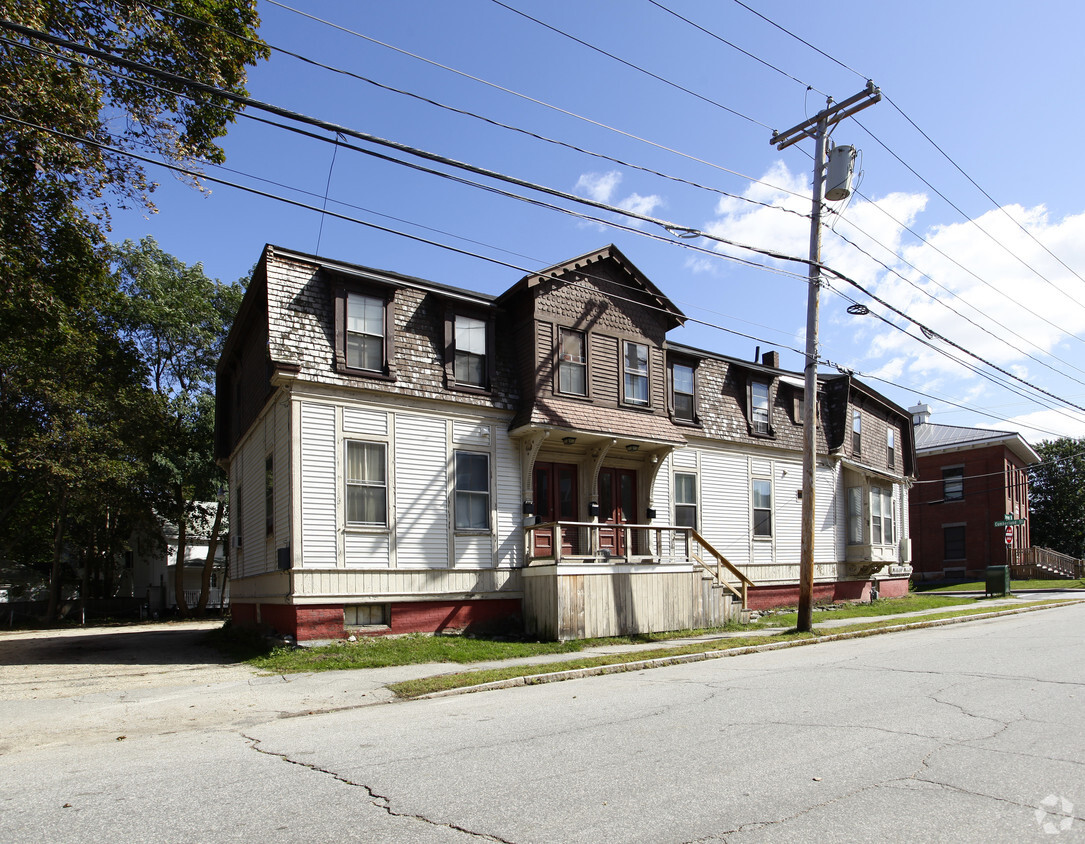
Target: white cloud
{"x": 602, "y": 187}
{"x": 998, "y": 305}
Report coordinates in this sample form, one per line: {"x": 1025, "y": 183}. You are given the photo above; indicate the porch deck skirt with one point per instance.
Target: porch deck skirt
{"x": 591, "y": 600}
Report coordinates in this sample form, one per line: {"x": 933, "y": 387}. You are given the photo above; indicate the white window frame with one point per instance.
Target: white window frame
{"x": 760, "y": 413}
{"x": 570, "y": 365}
{"x": 754, "y": 509}
{"x": 881, "y": 516}
{"x": 364, "y": 483}
{"x": 461, "y": 497}
{"x": 469, "y": 351}
{"x": 691, "y": 393}
{"x": 636, "y": 375}
{"x": 689, "y": 507}
{"x": 360, "y": 325}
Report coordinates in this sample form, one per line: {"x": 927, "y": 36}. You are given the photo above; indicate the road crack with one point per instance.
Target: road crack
{"x": 380, "y": 801}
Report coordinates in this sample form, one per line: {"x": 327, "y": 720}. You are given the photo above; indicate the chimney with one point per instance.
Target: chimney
{"x": 921, "y": 414}
{"x": 771, "y": 359}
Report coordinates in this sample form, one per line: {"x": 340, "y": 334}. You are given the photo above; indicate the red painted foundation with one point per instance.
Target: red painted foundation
{"x": 787, "y": 594}
{"x": 895, "y": 588}
{"x": 306, "y": 623}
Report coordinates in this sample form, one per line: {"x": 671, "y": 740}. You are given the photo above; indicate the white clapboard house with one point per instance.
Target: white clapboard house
{"x": 405, "y": 455}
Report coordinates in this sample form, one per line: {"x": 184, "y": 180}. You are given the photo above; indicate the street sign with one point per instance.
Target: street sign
{"x": 1009, "y": 536}
{"x": 1007, "y": 522}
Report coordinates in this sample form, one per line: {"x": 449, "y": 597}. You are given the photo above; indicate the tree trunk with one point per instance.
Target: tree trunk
{"x": 179, "y": 570}
{"x": 54, "y": 572}
{"x": 209, "y": 562}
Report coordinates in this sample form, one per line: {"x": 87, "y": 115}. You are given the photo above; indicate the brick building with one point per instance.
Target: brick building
{"x": 406, "y": 455}
{"x": 968, "y": 479}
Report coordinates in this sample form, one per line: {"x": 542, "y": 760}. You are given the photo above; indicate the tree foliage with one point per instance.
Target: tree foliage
{"x": 1057, "y": 497}
{"x": 80, "y": 424}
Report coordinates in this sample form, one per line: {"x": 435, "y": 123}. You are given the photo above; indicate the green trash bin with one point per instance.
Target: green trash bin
{"x": 998, "y": 580}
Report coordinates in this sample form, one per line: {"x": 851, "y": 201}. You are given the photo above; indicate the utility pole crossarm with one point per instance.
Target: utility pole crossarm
{"x": 832, "y": 114}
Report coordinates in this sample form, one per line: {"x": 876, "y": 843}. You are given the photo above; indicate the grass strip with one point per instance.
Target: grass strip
{"x": 980, "y": 586}
{"x": 447, "y": 682}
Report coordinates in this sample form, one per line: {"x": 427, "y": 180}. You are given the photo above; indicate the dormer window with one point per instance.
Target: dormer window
{"x": 683, "y": 392}
{"x": 635, "y": 362}
{"x": 572, "y": 363}
{"x": 759, "y": 407}
{"x": 470, "y": 351}
{"x": 365, "y": 332}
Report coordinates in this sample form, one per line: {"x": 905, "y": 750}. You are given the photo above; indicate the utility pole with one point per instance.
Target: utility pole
{"x": 817, "y": 128}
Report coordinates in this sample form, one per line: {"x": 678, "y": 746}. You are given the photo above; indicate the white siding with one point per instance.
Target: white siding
{"x": 421, "y": 493}
{"x": 510, "y": 538}
{"x": 280, "y": 427}
{"x": 725, "y": 504}
{"x": 367, "y": 550}
{"x": 318, "y": 485}
{"x": 830, "y": 519}
{"x": 470, "y": 433}
{"x": 787, "y": 510}
{"x": 474, "y": 550}
{"x": 373, "y": 423}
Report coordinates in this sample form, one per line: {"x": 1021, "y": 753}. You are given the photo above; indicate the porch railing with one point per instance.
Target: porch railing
{"x": 596, "y": 542}
{"x": 1042, "y": 563}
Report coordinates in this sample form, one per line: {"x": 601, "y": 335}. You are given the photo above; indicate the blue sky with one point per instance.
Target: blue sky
{"x": 991, "y": 83}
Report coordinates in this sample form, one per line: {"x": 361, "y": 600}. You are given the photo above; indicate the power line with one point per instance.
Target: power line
{"x": 633, "y": 66}
{"x": 530, "y": 99}
{"x": 672, "y": 228}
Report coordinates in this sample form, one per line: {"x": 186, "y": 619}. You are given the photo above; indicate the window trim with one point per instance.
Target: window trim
{"x": 956, "y": 472}
{"x": 963, "y": 528}
{"x": 761, "y": 537}
{"x": 857, "y": 433}
{"x": 457, "y": 492}
{"x": 890, "y": 448}
{"x": 562, "y": 363}
{"x": 489, "y": 367}
{"x": 348, "y": 483}
{"x": 672, "y": 393}
{"x": 341, "y": 290}
{"x": 627, "y": 374}
{"x": 753, "y": 416}
{"x": 694, "y": 505}
{"x": 879, "y": 520}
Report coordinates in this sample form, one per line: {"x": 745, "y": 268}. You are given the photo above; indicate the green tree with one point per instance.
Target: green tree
{"x": 178, "y": 319}
{"x": 1057, "y": 497}
{"x": 73, "y": 397}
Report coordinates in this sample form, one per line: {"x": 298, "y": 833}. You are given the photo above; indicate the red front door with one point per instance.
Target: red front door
{"x": 617, "y": 506}
{"x": 556, "y": 500}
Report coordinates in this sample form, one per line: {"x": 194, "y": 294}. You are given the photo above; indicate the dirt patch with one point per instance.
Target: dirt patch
{"x": 40, "y": 664}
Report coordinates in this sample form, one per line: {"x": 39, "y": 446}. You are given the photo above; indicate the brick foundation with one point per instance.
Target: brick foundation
{"x": 787, "y": 594}
{"x": 306, "y": 623}
{"x": 896, "y": 587}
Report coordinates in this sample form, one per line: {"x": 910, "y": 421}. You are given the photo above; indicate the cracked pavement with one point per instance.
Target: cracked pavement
{"x": 951, "y": 733}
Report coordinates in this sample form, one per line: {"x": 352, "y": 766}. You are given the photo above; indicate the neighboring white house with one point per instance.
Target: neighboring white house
{"x": 404, "y": 455}
{"x": 149, "y": 568}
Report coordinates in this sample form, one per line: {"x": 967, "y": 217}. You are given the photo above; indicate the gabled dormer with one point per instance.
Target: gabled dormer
{"x": 592, "y": 356}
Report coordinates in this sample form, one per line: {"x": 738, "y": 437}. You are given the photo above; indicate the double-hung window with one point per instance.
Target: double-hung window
{"x": 856, "y": 433}
{"x": 367, "y": 484}
{"x": 269, "y": 494}
{"x": 953, "y": 537}
{"x": 683, "y": 396}
{"x": 365, "y": 332}
{"x": 762, "y": 507}
{"x": 881, "y": 516}
{"x": 685, "y": 499}
{"x": 470, "y": 365}
{"x": 759, "y": 407}
{"x": 472, "y": 491}
{"x": 572, "y": 363}
{"x": 891, "y": 448}
{"x": 636, "y": 373}
{"x": 953, "y": 484}
{"x": 855, "y": 515}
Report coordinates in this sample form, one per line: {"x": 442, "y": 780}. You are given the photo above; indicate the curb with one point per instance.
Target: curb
{"x": 681, "y": 659}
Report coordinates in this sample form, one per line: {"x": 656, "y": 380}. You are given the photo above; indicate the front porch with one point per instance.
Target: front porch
{"x": 626, "y": 579}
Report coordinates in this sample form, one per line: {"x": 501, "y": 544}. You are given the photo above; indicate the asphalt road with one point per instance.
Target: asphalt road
{"x": 964, "y": 733}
